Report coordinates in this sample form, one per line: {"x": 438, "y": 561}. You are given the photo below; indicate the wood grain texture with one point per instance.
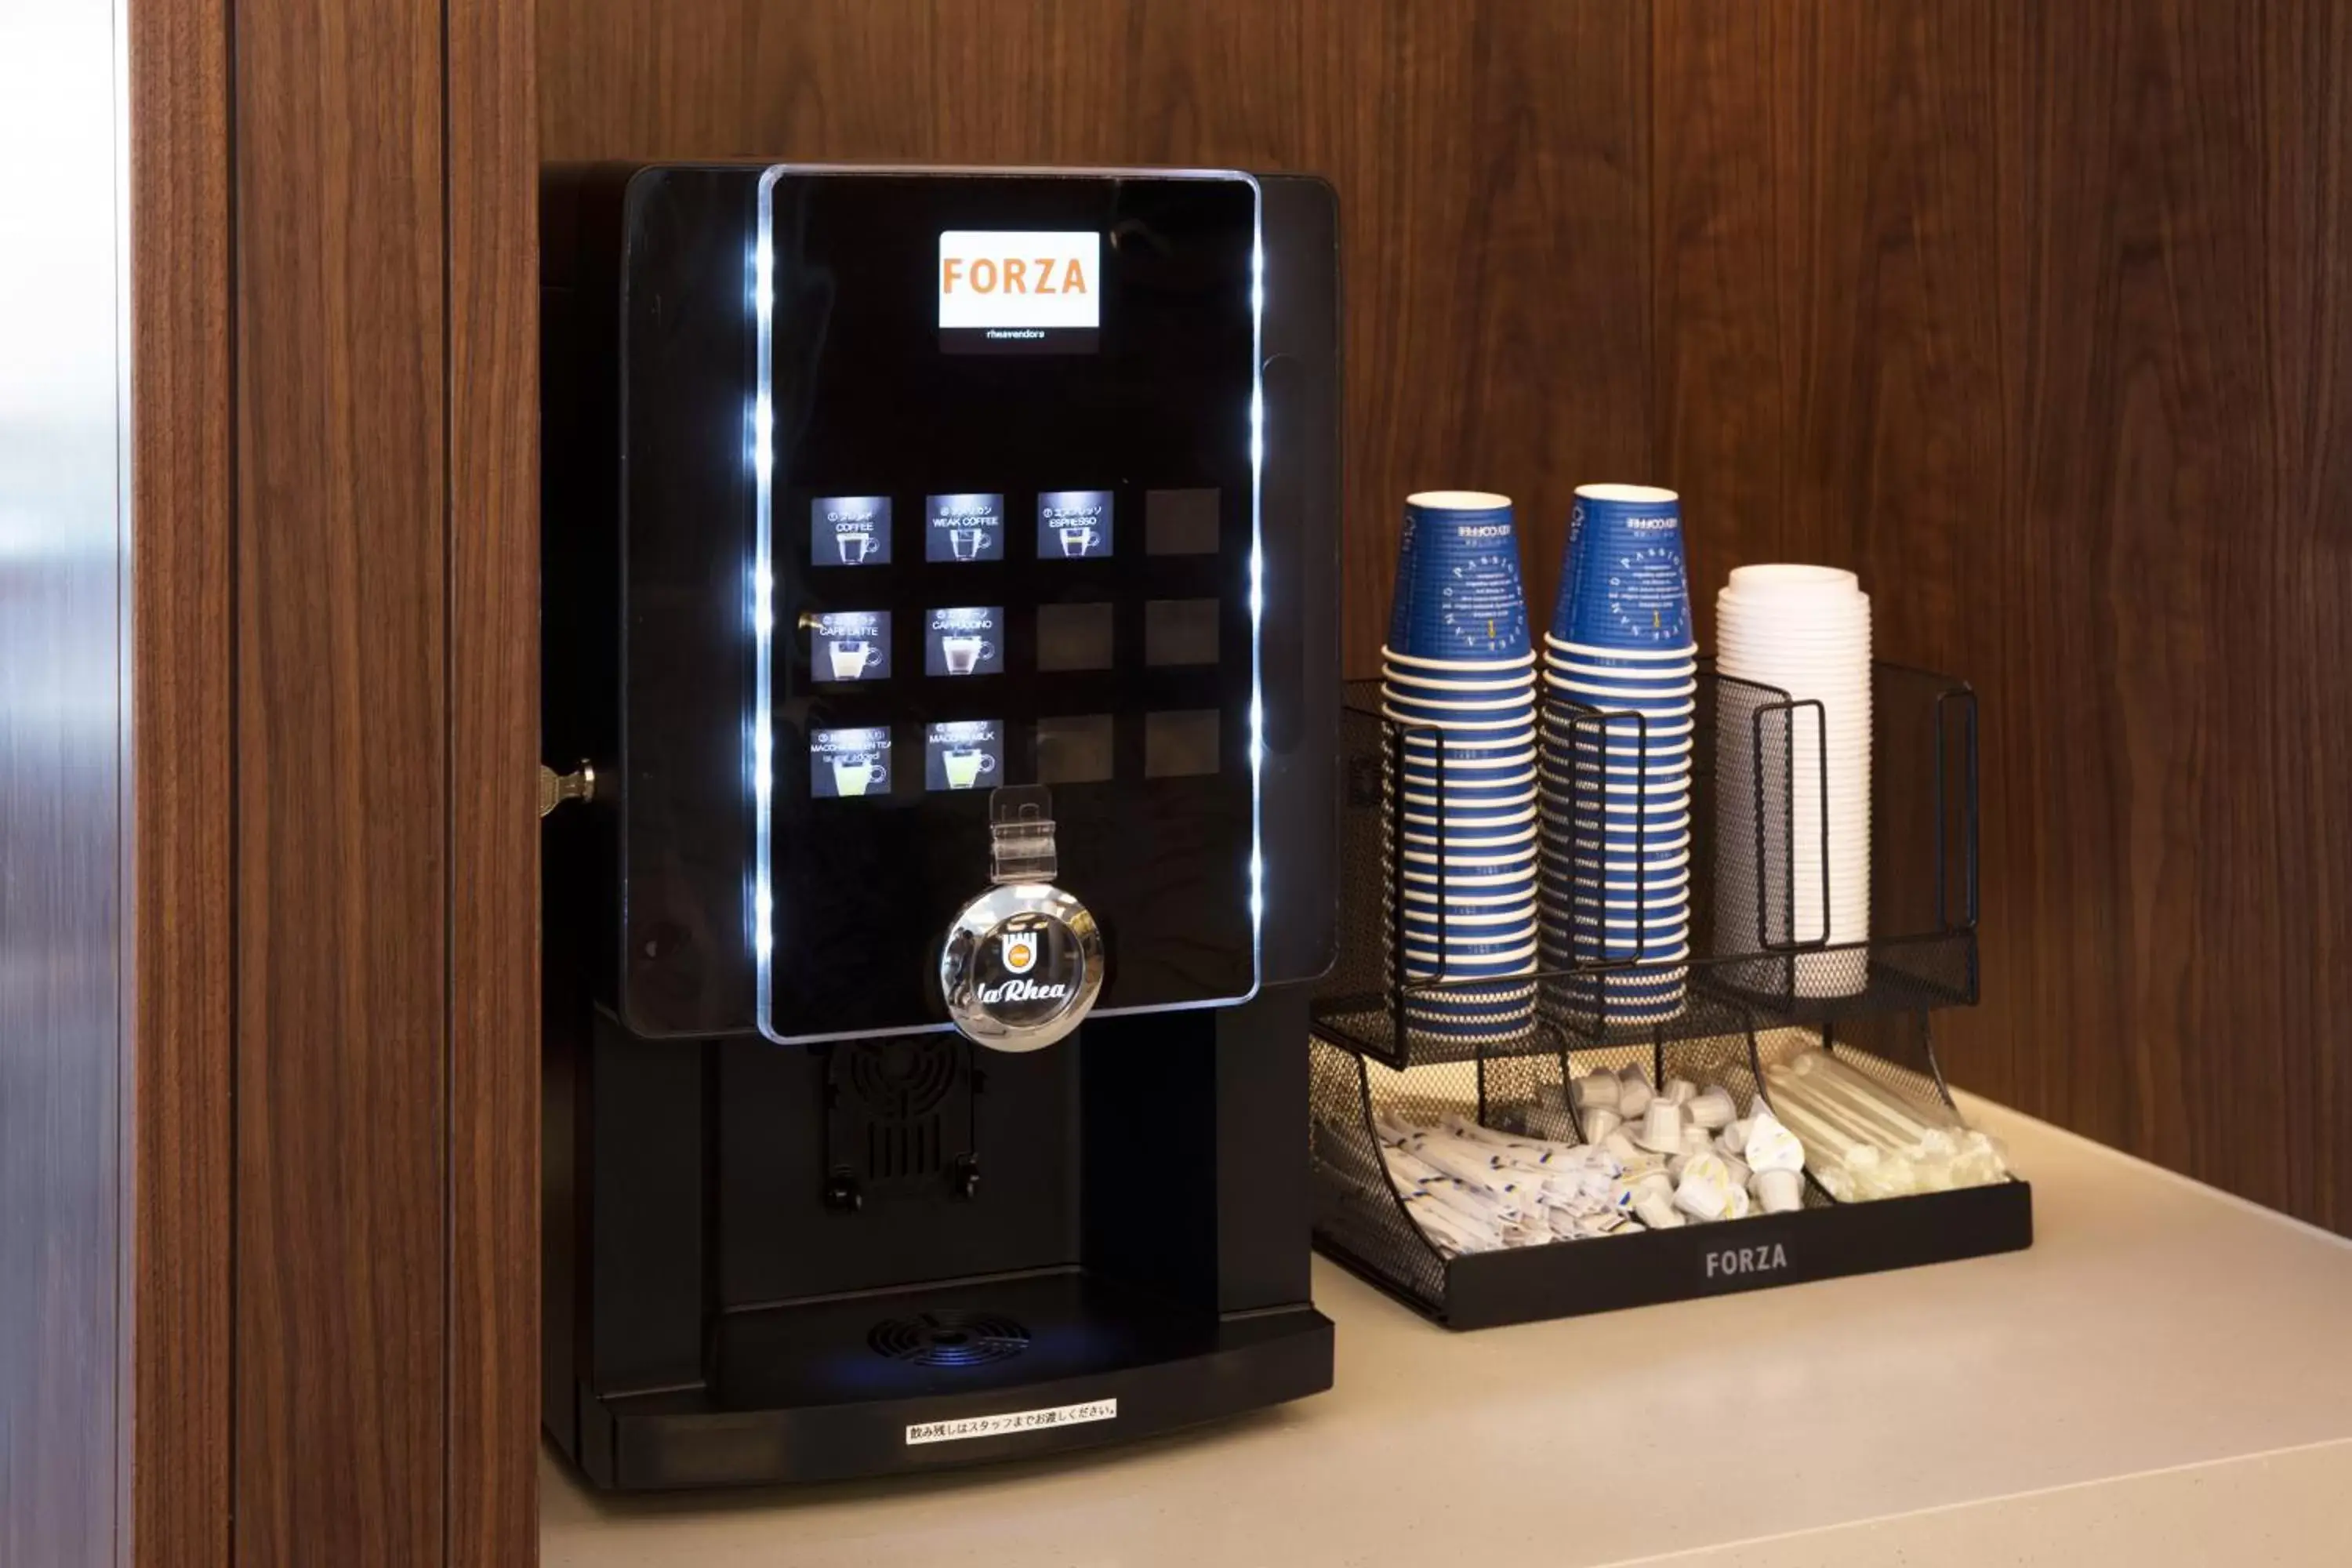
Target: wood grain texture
{"x": 182, "y": 515}
{"x": 1491, "y": 158}
{"x": 2036, "y": 316}
{"x": 493, "y": 890}
{"x": 341, "y": 876}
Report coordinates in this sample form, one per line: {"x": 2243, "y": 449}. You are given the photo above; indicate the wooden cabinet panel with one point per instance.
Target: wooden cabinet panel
{"x": 2036, "y": 316}
{"x": 493, "y": 716}
{"x": 182, "y": 516}
{"x": 342, "y": 786}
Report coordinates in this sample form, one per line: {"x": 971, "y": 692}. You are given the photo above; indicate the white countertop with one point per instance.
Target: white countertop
{"x": 2165, "y": 1378}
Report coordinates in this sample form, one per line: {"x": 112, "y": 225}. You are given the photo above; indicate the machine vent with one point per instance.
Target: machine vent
{"x": 902, "y": 1085}
{"x": 949, "y": 1339}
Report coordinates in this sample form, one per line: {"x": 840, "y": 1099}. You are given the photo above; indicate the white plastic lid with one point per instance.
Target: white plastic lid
{"x": 1457, "y": 500}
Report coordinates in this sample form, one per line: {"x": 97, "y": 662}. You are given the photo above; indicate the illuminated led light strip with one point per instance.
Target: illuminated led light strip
{"x": 762, "y": 596}
{"x": 1257, "y": 587}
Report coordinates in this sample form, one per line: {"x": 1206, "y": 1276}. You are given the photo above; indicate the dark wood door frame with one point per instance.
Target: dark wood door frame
{"x": 336, "y": 671}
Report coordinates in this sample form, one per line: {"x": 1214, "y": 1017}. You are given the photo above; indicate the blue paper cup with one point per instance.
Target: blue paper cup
{"x": 1624, "y": 586}
{"x": 1581, "y": 792}
{"x": 1497, "y": 753}
{"x": 1572, "y": 812}
{"x": 1603, "y": 903}
{"x": 1488, "y": 667}
{"x": 1422, "y": 871}
{"x": 1429, "y": 967}
{"x": 1458, "y": 594}
{"x": 1619, "y": 736}
{"x": 1595, "y": 664}
{"x": 1496, "y": 940}
{"x": 1465, "y": 1010}
{"x": 1427, "y": 725}
{"x": 1581, "y": 862}
{"x": 1495, "y": 862}
{"x": 1626, "y": 888}
{"x": 1455, "y": 816}
{"x": 1618, "y": 710}
{"x": 1424, "y": 906}
{"x": 1628, "y": 658}
{"x": 1461, "y": 828}
{"x": 1661, "y": 955}
{"x": 1418, "y": 712}
{"x": 1456, "y": 841}
{"x": 1506, "y": 956}
{"x": 1479, "y": 789}
{"x": 1490, "y": 680}
{"x": 1630, "y": 733}
{"x": 1660, "y": 759}
{"x": 1611, "y": 696}
{"x": 1496, "y": 1031}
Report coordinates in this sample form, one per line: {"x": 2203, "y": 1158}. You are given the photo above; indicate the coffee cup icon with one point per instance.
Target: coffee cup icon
{"x": 851, "y": 776}
{"x": 854, "y": 544}
{"x": 962, "y": 652}
{"x": 1077, "y": 540}
{"x": 969, "y": 544}
{"x": 851, "y": 656}
{"x": 964, "y": 768}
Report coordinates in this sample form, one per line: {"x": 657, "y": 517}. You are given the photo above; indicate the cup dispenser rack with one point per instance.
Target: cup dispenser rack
{"x": 1763, "y": 981}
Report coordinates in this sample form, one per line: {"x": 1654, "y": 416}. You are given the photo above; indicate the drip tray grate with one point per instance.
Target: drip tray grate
{"x": 949, "y": 1338}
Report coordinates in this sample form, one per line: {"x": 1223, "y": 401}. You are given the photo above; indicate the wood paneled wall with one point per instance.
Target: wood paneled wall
{"x": 2036, "y": 314}
{"x": 183, "y": 508}
{"x": 2041, "y": 317}
{"x": 1491, "y": 157}
{"x": 334, "y": 296}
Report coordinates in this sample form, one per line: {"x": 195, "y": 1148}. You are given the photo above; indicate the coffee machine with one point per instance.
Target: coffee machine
{"x": 941, "y": 627}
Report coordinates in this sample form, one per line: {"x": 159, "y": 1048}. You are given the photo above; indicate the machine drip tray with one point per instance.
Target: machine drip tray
{"x": 860, "y": 1385}
{"x": 949, "y": 1340}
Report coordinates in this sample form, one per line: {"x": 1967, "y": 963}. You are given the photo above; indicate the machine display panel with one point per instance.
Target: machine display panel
{"x": 1014, "y": 559}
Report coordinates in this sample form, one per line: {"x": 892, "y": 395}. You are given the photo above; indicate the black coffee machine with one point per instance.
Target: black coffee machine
{"x": 941, "y": 595}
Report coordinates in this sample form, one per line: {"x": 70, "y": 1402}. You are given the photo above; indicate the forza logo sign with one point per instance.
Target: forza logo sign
{"x": 1017, "y": 281}
{"x": 1746, "y": 1261}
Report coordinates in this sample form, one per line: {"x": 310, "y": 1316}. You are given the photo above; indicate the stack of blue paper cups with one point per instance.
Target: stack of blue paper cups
{"x": 1458, "y": 679}
{"x": 1619, "y": 681}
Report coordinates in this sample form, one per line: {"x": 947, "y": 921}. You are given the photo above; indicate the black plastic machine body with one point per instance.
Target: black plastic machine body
{"x": 941, "y": 577}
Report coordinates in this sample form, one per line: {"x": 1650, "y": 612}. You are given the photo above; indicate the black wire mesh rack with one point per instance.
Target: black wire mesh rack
{"x": 1745, "y": 943}
{"x": 1755, "y": 988}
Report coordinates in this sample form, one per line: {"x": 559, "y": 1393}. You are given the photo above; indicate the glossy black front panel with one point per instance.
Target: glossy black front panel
{"x": 1008, "y": 567}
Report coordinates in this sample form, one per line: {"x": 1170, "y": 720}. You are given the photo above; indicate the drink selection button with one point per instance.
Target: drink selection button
{"x": 1074, "y": 525}
{"x": 849, "y": 531}
{"x": 963, "y": 755}
{"x": 964, "y": 528}
{"x": 967, "y": 641}
{"x": 849, "y": 763}
{"x": 851, "y": 645}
